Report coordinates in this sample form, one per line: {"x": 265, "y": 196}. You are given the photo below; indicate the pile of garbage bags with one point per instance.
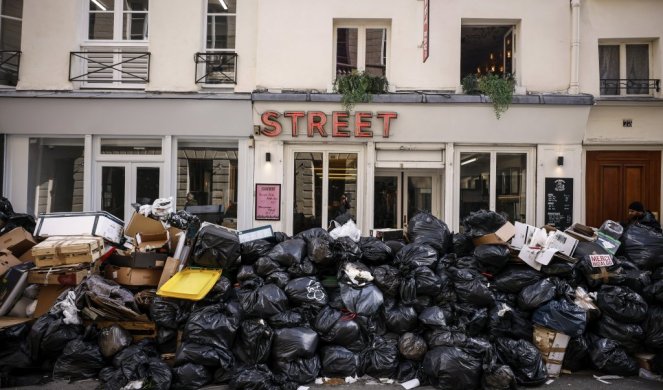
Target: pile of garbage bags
{"x": 433, "y": 307}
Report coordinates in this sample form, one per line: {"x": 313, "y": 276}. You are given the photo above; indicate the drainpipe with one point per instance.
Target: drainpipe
{"x": 574, "y": 87}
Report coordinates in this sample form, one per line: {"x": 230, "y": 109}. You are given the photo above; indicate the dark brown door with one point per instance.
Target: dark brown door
{"x": 615, "y": 179}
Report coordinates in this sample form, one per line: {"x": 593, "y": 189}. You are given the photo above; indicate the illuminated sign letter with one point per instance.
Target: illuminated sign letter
{"x": 273, "y": 127}
{"x": 386, "y": 122}
{"x": 340, "y": 124}
{"x": 294, "y": 115}
{"x": 360, "y": 124}
{"x": 317, "y": 125}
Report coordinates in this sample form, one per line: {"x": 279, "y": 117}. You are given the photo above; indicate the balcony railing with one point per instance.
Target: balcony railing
{"x": 10, "y": 62}
{"x": 116, "y": 68}
{"x": 632, "y": 86}
{"x": 216, "y": 68}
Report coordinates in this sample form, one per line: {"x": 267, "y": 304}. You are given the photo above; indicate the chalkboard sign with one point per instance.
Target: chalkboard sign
{"x": 559, "y": 202}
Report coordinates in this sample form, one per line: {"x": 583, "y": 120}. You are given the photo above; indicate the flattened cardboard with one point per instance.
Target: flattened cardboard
{"x": 171, "y": 268}
{"x": 500, "y": 237}
{"x": 18, "y": 241}
{"x": 142, "y": 224}
{"x": 46, "y": 298}
{"x": 7, "y": 260}
{"x": 134, "y": 276}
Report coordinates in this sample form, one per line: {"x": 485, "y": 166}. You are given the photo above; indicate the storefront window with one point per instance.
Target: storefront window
{"x": 342, "y": 189}
{"x": 55, "y": 175}
{"x": 511, "y": 184}
{"x": 307, "y": 211}
{"x": 474, "y": 183}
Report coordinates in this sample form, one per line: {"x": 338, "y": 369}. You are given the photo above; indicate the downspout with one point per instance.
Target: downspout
{"x": 574, "y": 87}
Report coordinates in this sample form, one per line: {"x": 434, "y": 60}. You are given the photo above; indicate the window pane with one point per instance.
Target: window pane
{"x": 474, "y": 183}
{"x": 342, "y": 188}
{"x": 346, "y": 50}
{"x": 419, "y": 195}
{"x": 221, "y": 6}
{"x": 376, "y": 51}
{"x": 637, "y": 69}
{"x": 307, "y": 212}
{"x": 131, "y": 146}
{"x": 147, "y": 185}
{"x": 609, "y": 69}
{"x": 220, "y": 32}
{"x": 135, "y": 26}
{"x": 511, "y": 185}
{"x": 209, "y": 175}
{"x": 13, "y": 8}
{"x": 101, "y": 25}
{"x": 102, "y": 5}
{"x": 386, "y": 198}
{"x": 136, "y": 5}
{"x": 55, "y": 175}
{"x": 10, "y": 35}
{"x": 112, "y": 190}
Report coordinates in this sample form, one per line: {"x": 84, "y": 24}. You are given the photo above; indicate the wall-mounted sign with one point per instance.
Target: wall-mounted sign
{"x": 425, "y": 43}
{"x": 318, "y": 123}
{"x": 268, "y": 202}
{"x": 559, "y": 202}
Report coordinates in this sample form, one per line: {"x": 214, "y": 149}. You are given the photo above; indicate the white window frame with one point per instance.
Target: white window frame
{"x": 530, "y": 191}
{"x": 622, "y": 63}
{"x": 3, "y": 17}
{"x": 361, "y": 27}
{"x": 202, "y": 66}
{"x": 118, "y": 20}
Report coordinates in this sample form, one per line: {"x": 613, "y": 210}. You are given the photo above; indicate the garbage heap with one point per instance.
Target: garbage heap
{"x": 456, "y": 311}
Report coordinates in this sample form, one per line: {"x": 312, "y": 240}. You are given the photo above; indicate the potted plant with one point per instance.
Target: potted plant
{"x": 359, "y": 87}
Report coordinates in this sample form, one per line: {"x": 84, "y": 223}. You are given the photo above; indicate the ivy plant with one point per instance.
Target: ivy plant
{"x": 359, "y": 87}
{"x": 498, "y": 88}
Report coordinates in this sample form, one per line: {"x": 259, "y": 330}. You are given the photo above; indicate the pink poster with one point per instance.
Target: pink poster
{"x": 268, "y": 202}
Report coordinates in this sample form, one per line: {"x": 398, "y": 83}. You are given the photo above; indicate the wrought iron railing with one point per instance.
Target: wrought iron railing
{"x": 216, "y": 68}
{"x": 632, "y": 86}
{"x": 115, "y": 67}
{"x": 10, "y": 61}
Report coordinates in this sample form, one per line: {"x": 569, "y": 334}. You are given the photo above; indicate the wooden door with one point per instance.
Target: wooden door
{"x": 615, "y": 179}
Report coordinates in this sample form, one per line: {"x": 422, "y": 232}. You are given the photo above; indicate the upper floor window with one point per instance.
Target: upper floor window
{"x": 361, "y": 48}
{"x": 221, "y": 17}
{"x": 624, "y": 69}
{"x": 11, "y": 12}
{"x": 118, "y": 20}
{"x": 488, "y": 49}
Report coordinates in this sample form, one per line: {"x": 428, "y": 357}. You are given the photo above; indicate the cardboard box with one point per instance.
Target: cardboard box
{"x": 45, "y": 300}
{"x": 500, "y": 237}
{"x": 171, "y": 268}
{"x": 18, "y": 241}
{"x": 66, "y": 275}
{"x": 552, "y": 346}
{"x": 67, "y": 250}
{"x": 27, "y": 257}
{"x": 127, "y": 276}
{"x": 142, "y": 224}
{"x": 152, "y": 242}
{"x": 138, "y": 259}
{"x": 94, "y": 223}
{"x": 387, "y": 234}
{"x": 7, "y": 260}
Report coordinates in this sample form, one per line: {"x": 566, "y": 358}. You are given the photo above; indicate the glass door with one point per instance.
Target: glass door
{"x": 400, "y": 195}
{"x": 125, "y": 183}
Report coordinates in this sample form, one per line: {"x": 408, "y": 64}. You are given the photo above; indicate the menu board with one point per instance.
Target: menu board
{"x": 559, "y": 202}
{"x": 268, "y": 202}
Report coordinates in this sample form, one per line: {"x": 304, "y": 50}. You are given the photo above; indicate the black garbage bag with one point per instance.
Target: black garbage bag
{"x": 302, "y": 371}
{"x": 49, "y": 336}
{"x": 418, "y": 281}
{"x": 214, "y": 326}
{"x": 629, "y": 336}
{"x": 416, "y": 255}
{"x": 371, "y": 325}
{"x": 222, "y": 291}
{"x": 492, "y": 258}
{"x": 524, "y": 359}
{"x": 340, "y": 329}
{"x": 253, "y": 250}
{"x": 535, "y": 295}
{"x": 657, "y": 274}
{"x": 111, "y": 378}
{"x": 15, "y": 352}
{"x": 365, "y": 300}
{"x": 609, "y": 357}
{"x": 622, "y": 304}
{"x": 596, "y": 276}
{"x": 400, "y": 318}
{"x": 337, "y": 361}
{"x": 211, "y": 356}
{"x": 653, "y": 327}
{"x": 496, "y": 376}
{"x": 309, "y": 234}
{"x": 166, "y": 339}
{"x": 253, "y": 342}
{"x": 471, "y": 287}
{"x": 472, "y": 318}
{"x": 482, "y": 222}
{"x": 303, "y": 268}
{"x": 412, "y": 346}
{"x": 395, "y": 245}
{"x": 433, "y": 316}
{"x": 560, "y": 268}
{"x": 505, "y": 320}
{"x": 288, "y": 252}
{"x": 388, "y": 279}
{"x": 514, "y": 278}
{"x": 380, "y": 358}
{"x": 320, "y": 250}
{"x": 216, "y": 247}
{"x": 278, "y": 278}
{"x": 562, "y": 316}
{"x": 446, "y": 336}
{"x": 79, "y": 360}
{"x": 425, "y": 228}
{"x": 643, "y": 245}
{"x": 265, "y": 266}
{"x": 346, "y": 250}
{"x": 261, "y": 301}
{"x": 294, "y": 343}
{"x": 576, "y": 357}
{"x": 131, "y": 359}
{"x": 453, "y": 368}
{"x": 245, "y": 272}
{"x": 374, "y": 251}
{"x": 653, "y": 293}
{"x": 408, "y": 370}
{"x": 306, "y": 291}
{"x": 170, "y": 313}
{"x": 191, "y": 377}
{"x": 462, "y": 244}
{"x": 258, "y": 377}
{"x": 113, "y": 339}
{"x": 289, "y": 319}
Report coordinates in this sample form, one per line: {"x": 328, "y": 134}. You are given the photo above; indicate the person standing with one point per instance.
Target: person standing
{"x": 638, "y": 214}
{"x": 190, "y": 200}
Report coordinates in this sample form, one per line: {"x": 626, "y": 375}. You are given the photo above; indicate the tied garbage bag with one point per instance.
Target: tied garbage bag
{"x": 416, "y": 255}
{"x": 562, "y": 316}
{"x": 515, "y": 278}
{"x": 400, "y": 318}
{"x": 482, "y": 222}
{"x": 280, "y": 279}
{"x": 365, "y": 300}
{"x": 471, "y": 287}
{"x": 496, "y": 376}
{"x": 524, "y": 359}
{"x": 492, "y": 258}
{"x": 412, "y": 346}
{"x": 643, "y": 245}
{"x": 113, "y": 339}
{"x": 433, "y": 316}
{"x": 170, "y": 313}
{"x": 257, "y": 377}
{"x": 348, "y": 229}
{"x": 307, "y": 292}
{"x": 303, "y": 268}
{"x": 607, "y": 356}
{"x": 462, "y": 244}
{"x": 388, "y": 279}
{"x": 14, "y": 352}
{"x": 418, "y": 281}
{"x": 253, "y": 250}
{"x": 453, "y": 368}
{"x": 288, "y": 252}
{"x": 320, "y": 250}
{"x": 190, "y": 377}
{"x": 79, "y": 360}
{"x": 408, "y": 370}
{"x": 338, "y": 362}
{"x": 262, "y": 301}
{"x": 535, "y": 295}
{"x": 221, "y": 291}
{"x": 213, "y": 326}
{"x": 207, "y": 355}
{"x": 216, "y": 247}
{"x": 380, "y": 358}
{"x": 446, "y": 336}
{"x": 597, "y": 276}
{"x": 576, "y": 357}
{"x": 375, "y": 251}
{"x": 340, "y": 329}
{"x": 425, "y": 228}
{"x": 253, "y": 341}
{"x": 49, "y": 335}
{"x": 629, "y": 336}
{"x": 472, "y": 318}
{"x": 265, "y": 266}
{"x": 294, "y": 343}
{"x": 506, "y": 321}
{"x": 302, "y": 371}
{"x": 653, "y": 326}
{"x": 622, "y": 304}
{"x": 346, "y": 250}
{"x": 654, "y": 292}
{"x": 289, "y": 319}
{"x": 245, "y": 272}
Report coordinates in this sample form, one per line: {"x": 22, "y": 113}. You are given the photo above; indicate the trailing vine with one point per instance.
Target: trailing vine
{"x": 498, "y": 88}
{"x": 359, "y": 87}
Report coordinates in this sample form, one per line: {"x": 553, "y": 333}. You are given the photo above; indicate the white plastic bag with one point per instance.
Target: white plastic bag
{"x": 348, "y": 229}
{"x": 68, "y": 308}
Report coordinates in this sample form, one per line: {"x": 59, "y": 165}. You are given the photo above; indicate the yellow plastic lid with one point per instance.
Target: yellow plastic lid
{"x": 190, "y": 283}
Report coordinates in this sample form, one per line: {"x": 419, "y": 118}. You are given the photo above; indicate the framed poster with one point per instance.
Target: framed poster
{"x": 268, "y": 202}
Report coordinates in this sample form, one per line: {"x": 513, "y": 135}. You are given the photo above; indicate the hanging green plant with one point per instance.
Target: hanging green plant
{"x": 359, "y": 87}
{"x": 499, "y": 89}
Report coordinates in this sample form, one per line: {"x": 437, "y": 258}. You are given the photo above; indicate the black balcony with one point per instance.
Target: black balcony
{"x": 10, "y": 62}
{"x": 216, "y": 68}
{"x": 109, "y": 67}
{"x": 632, "y": 86}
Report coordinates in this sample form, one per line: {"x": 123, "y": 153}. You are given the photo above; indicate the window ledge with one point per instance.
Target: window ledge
{"x": 627, "y": 101}
{"x": 105, "y": 94}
